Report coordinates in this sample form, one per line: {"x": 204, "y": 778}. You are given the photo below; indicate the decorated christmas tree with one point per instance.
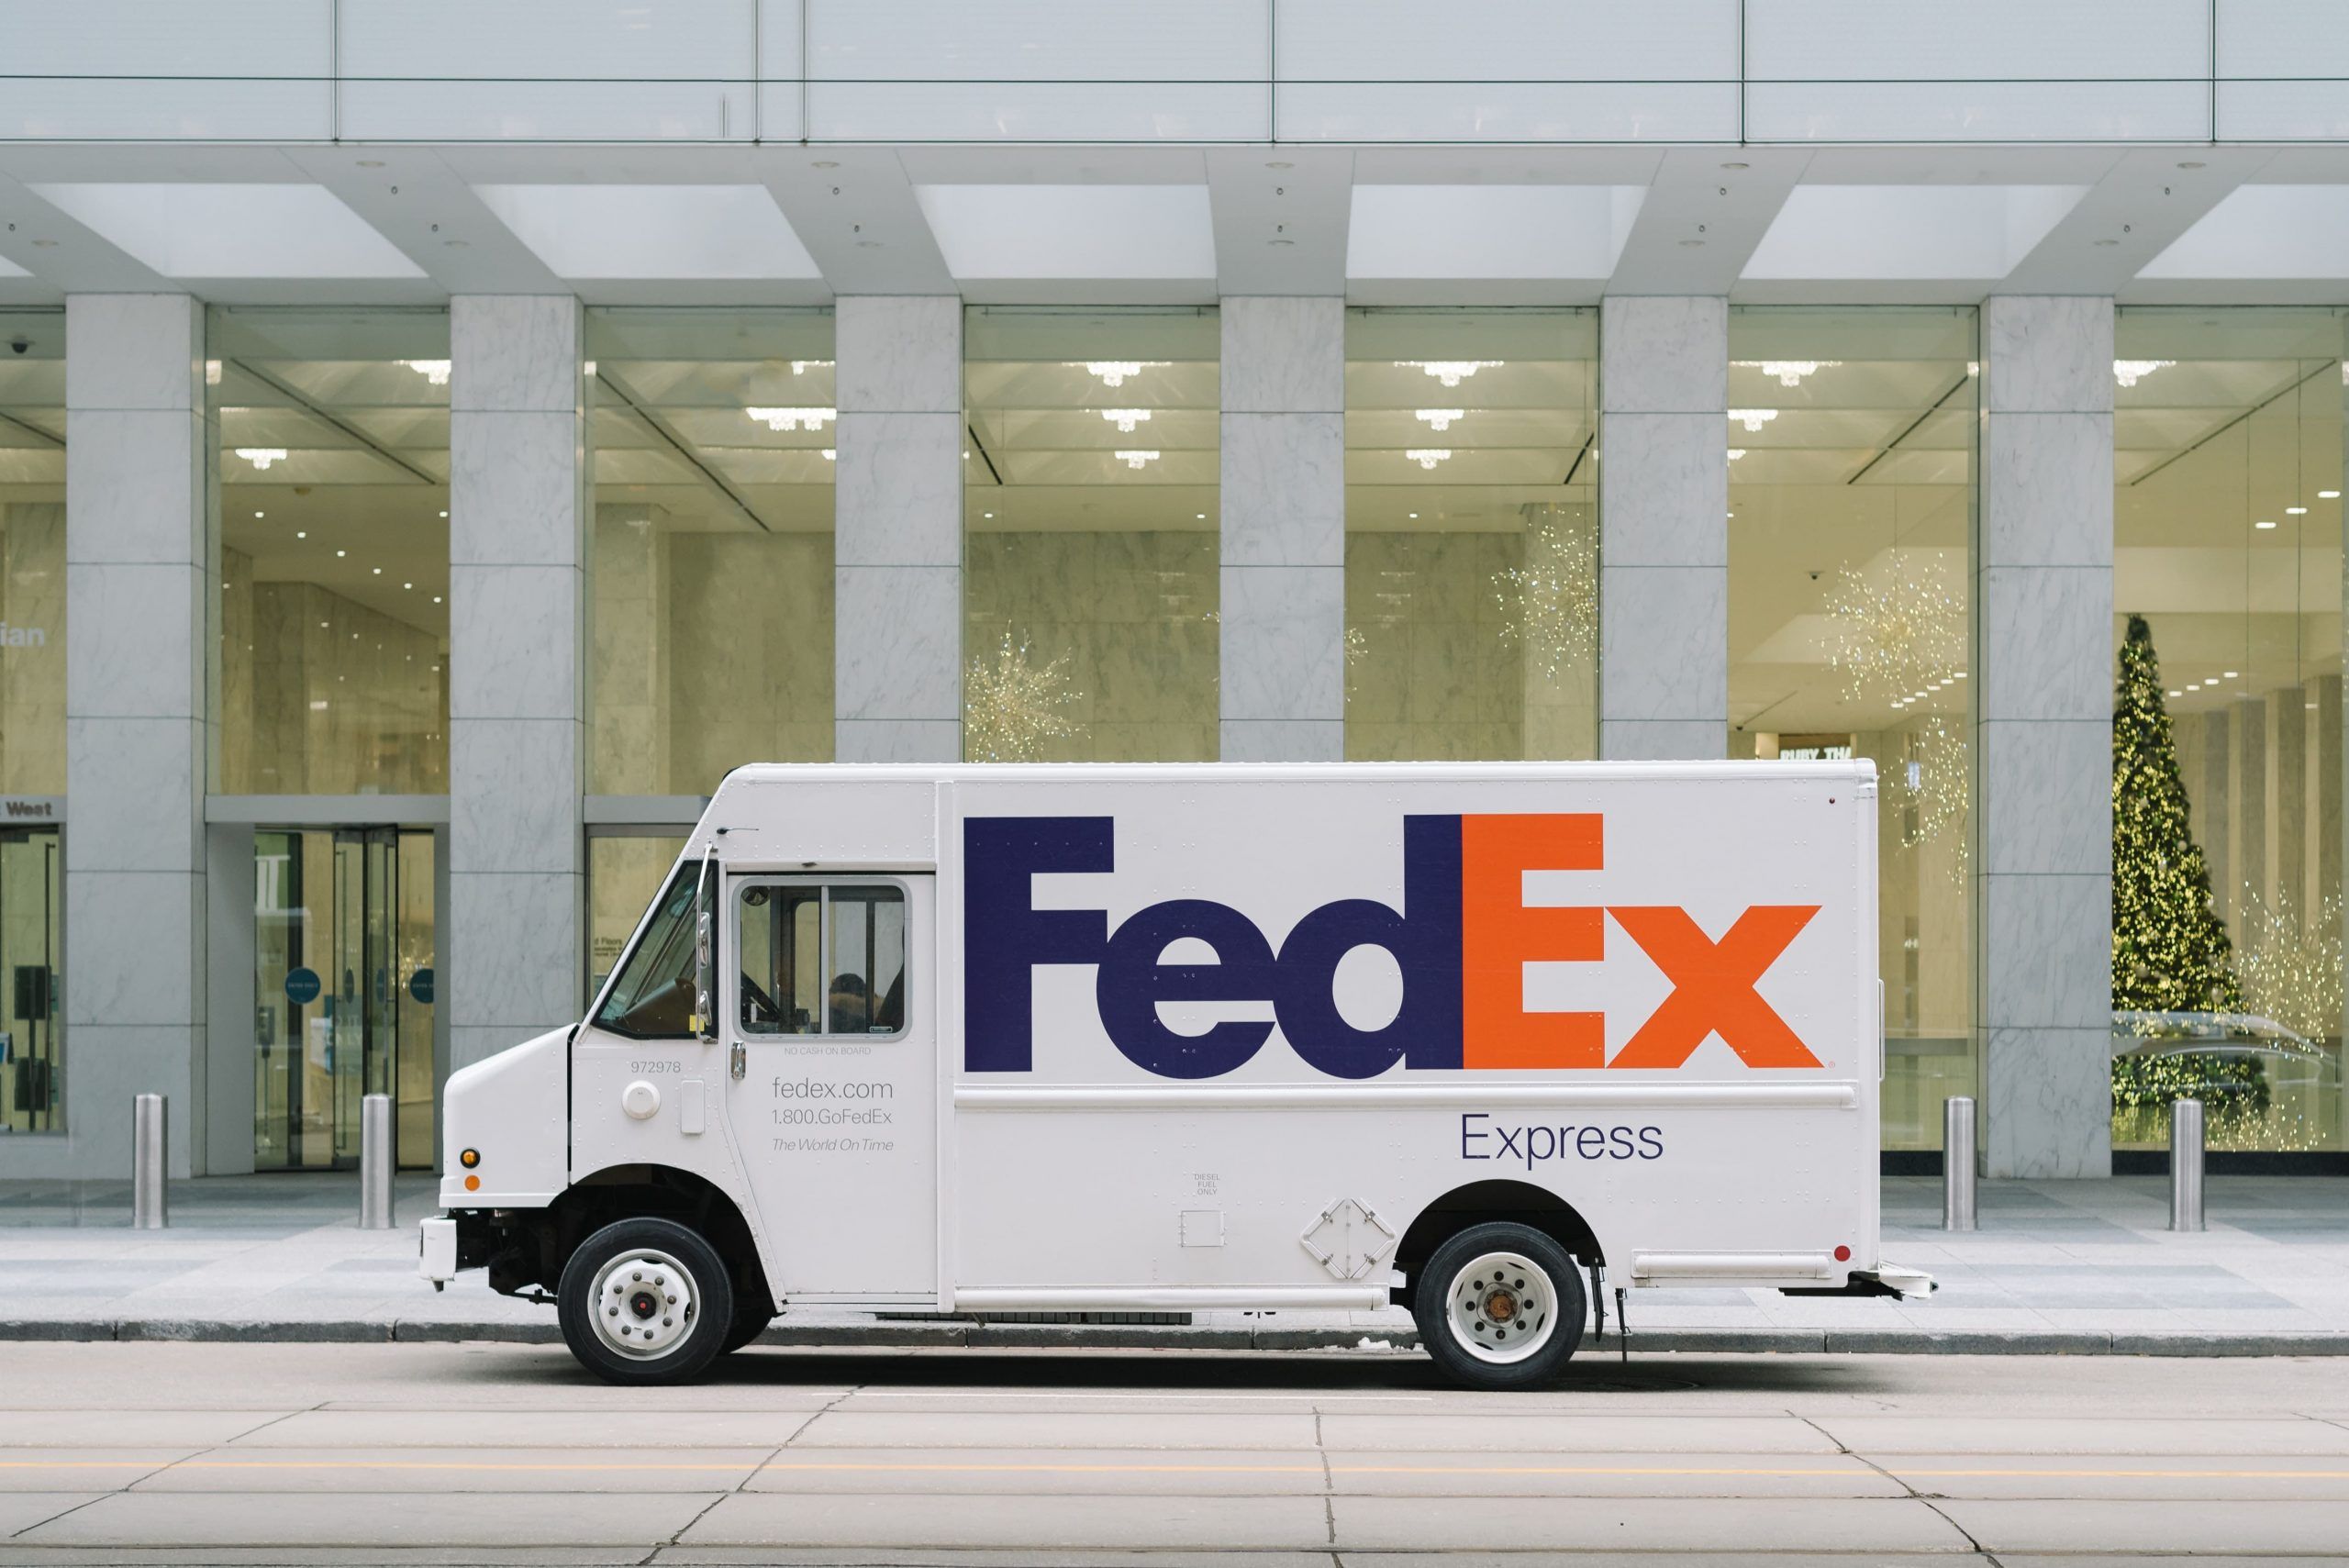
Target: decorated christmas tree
{"x": 2170, "y": 952}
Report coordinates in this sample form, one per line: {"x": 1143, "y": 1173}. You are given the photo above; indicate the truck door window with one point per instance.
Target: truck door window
{"x": 821, "y": 959}
{"x": 781, "y": 943}
{"x": 867, "y": 955}
{"x": 653, "y": 995}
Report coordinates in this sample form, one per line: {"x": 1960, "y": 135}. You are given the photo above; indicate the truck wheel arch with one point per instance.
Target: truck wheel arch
{"x": 646, "y": 1191}
{"x": 1481, "y": 1201}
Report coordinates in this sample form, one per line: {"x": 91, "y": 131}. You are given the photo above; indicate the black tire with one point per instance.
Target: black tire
{"x": 751, "y": 1320}
{"x": 1534, "y": 1291}
{"x": 624, "y": 1272}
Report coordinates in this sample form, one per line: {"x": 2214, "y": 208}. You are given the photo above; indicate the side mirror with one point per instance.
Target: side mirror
{"x": 705, "y": 959}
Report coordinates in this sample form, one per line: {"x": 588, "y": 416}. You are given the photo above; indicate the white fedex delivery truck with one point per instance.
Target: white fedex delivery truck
{"x": 1473, "y": 1039}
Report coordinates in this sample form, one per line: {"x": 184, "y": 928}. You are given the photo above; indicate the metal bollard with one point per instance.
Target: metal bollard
{"x": 1957, "y": 1163}
{"x": 2185, "y": 1165}
{"x": 149, "y": 1161}
{"x": 375, "y": 1162}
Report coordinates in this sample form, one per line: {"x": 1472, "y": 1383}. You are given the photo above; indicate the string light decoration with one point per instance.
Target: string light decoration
{"x": 1937, "y": 783}
{"x": 1012, "y": 706}
{"x": 1549, "y": 604}
{"x": 1357, "y": 650}
{"x": 2170, "y": 952}
{"x": 1902, "y": 629}
{"x": 2290, "y": 965}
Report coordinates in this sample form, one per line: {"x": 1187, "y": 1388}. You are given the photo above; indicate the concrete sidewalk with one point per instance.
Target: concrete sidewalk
{"x": 2079, "y": 1268}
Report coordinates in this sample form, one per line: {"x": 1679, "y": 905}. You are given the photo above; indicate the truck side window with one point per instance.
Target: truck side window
{"x": 652, "y": 996}
{"x": 779, "y": 940}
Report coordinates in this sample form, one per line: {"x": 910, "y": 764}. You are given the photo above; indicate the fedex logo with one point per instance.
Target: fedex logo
{"x": 1462, "y": 940}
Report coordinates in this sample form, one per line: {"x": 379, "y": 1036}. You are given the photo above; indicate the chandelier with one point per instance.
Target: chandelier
{"x": 1439, "y": 419}
{"x": 1753, "y": 419}
{"x": 1427, "y": 456}
{"x": 801, "y": 367}
{"x": 1135, "y": 459}
{"x": 1113, "y": 372}
{"x": 2129, "y": 373}
{"x": 792, "y": 418}
{"x": 1451, "y": 372}
{"x": 435, "y": 372}
{"x": 1788, "y": 371}
{"x": 1126, "y": 418}
{"x": 261, "y": 457}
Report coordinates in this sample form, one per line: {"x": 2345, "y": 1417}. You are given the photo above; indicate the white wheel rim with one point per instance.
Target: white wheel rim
{"x": 1502, "y": 1308}
{"x": 644, "y": 1304}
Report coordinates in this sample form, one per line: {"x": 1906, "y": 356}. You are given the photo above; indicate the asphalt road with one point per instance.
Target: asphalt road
{"x": 184, "y": 1453}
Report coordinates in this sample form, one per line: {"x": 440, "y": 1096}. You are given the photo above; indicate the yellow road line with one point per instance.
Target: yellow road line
{"x": 1057, "y": 1468}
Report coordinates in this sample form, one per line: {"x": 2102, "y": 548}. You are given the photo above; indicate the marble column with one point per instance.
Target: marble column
{"x": 135, "y": 461}
{"x": 2044, "y": 601}
{"x": 898, "y": 530}
{"x": 517, "y": 493}
{"x": 1284, "y": 529}
{"x": 1663, "y": 529}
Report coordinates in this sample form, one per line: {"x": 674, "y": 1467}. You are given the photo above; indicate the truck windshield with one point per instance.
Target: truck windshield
{"x": 652, "y": 997}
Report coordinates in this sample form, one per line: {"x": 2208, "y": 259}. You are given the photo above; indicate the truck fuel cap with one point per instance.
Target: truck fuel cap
{"x": 639, "y": 1099}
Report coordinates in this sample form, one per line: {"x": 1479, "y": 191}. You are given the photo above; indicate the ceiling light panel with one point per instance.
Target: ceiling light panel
{"x": 277, "y": 230}
{"x": 653, "y": 232}
{"x": 1116, "y": 232}
{"x": 1490, "y": 231}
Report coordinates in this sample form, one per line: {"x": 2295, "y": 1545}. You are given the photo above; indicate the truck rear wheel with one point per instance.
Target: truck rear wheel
{"x": 1500, "y": 1305}
{"x": 645, "y": 1301}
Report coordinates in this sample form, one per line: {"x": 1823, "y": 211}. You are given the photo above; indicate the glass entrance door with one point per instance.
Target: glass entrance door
{"x": 343, "y": 992}
{"x": 32, "y": 1086}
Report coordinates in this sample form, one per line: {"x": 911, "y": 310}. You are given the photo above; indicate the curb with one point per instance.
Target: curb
{"x": 1366, "y": 1340}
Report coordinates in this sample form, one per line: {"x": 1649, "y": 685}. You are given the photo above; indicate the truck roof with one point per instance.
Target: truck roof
{"x": 885, "y": 815}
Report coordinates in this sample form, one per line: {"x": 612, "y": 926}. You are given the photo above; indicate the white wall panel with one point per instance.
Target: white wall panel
{"x": 67, "y": 108}
{"x": 2283, "y": 111}
{"x": 1977, "y": 111}
{"x": 1831, "y": 40}
{"x": 1508, "y": 41}
{"x": 781, "y": 38}
{"x": 548, "y": 40}
{"x": 1521, "y": 112}
{"x": 955, "y": 40}
{"x": 1086, "y": 111}
{"x": 2283, "y": 38}
{"x": 546, "y": 111}
{"x": 165, "y": 38}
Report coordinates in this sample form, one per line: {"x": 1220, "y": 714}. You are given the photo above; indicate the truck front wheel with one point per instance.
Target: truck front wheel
{"x": 1500, "y": 1305}
{"x": 645, "y": 1301}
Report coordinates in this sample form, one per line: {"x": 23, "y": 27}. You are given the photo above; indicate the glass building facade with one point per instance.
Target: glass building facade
{"x": 331, "y": 551}
{"x": 2227, "y": 578}
{"x": 32, "y": 719}
{"x": 1851, "y": 438}
{"x": 1472, "y": 535}
{"x": 1089, "y": 544}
